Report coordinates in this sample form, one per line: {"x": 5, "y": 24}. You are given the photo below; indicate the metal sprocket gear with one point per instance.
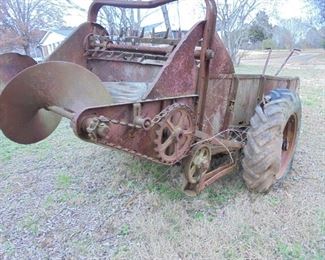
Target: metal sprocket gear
{"x": 197, "y": 163}
{"x": 174, "y": 134}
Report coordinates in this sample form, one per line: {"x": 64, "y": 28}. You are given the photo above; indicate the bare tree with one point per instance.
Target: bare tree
{"x": 234, "y": 16}
{"x": 297, "y": 28}
{"x": 166, "y": 16}
{"x": 128, "y": 20}
{"x": 320, "y": 6}
{"x": 120, "y": 19}
{"x": 22, "y": 21}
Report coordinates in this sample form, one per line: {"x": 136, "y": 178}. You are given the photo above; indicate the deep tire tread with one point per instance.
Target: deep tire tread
{"x": 262, "y": 153}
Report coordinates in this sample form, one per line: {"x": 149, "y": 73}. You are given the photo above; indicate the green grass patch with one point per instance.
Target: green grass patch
{"x": 125, "y": 230}
{"x": 166, "y": 190}
{"x": 144, "y": 167}
{"x": 10, "y": 149}
{"x": 227, "y": 192}
{"x": 247, "y": 234}
{"x": 122, "y": 253}
{"x": 9, "y": 249}
{"x": 290, "y": 251}
{"x": 312, "y": 100}
{"x": 82, "y": 247}
{"x": 157, "y": 181}
{"x": 31, "y": 224}
{"x": 321, "y": 217}
{"x": 273, "y": 200}
{"x": 49, "y": 202}
{"x": 63, "y": 181}
{"x": 70, "y": 197}
{"x": 199, "y": 215}
{"x": 231, "y": 254}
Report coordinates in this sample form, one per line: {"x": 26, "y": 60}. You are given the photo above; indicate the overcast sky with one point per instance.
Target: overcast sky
{"x": 277, "y": 10}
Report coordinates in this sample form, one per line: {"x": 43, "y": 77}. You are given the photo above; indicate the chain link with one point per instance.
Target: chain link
{"x": 154, "y": 122}
{"x": 164, "y": 113}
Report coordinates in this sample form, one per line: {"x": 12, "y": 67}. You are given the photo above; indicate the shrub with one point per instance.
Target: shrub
{"x": 268, "y": 43}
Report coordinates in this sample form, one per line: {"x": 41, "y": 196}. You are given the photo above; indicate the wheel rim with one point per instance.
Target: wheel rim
{"x": 288, "y": 144}
{"x": 198, "y": 165}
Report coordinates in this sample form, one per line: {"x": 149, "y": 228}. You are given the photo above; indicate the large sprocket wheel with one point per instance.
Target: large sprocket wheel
{"x": 175, "y": 134}
{"x": 272, "y": 140}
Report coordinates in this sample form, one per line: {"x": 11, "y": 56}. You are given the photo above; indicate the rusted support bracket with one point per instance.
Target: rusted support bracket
{"x": 202, "y": 86}
{"x": 209, "y": 178}
{"x": 138, "y": 120}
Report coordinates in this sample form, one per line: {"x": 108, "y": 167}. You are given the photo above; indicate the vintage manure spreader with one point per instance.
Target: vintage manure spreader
{"x": 163, "y": 99}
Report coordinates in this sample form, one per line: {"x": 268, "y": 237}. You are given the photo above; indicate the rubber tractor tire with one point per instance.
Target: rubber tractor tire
{"x": 272, "y": 140}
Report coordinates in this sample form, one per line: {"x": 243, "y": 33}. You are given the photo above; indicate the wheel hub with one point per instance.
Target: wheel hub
{"x": 197, "y": 164}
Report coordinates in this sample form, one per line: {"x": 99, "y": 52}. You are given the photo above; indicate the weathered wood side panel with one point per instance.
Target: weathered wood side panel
{"x": 277, "y": 82}
{"x": 249, "y": 93}
{"x": 247, "y": 97}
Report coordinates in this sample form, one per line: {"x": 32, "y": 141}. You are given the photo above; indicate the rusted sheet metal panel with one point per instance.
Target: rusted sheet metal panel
{"x": 179, "y": 75}
{"x": 221, "y": 63}
{"x": 72, "y": 49}
{"x": 123, "y": 71}
{"x": 125, "y": 137}
{"x": 246, "y": 99}
{"x": 11, "y": 64}
{"x": 217, "y": 104}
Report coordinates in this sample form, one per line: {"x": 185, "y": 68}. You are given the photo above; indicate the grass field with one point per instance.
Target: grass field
{"x": 63, "y": 198}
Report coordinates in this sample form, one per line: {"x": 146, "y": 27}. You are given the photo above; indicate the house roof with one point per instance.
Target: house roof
{"x": 63, "y": 32}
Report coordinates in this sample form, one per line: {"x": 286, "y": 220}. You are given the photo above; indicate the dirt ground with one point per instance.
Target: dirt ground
{"x": 66, "y": 199}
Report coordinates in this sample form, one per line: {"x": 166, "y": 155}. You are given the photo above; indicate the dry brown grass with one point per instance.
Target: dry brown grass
{"x": 64, "y": 198}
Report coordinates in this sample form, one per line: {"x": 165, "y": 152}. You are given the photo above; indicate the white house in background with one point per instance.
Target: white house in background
{"x": 52, "y": 39}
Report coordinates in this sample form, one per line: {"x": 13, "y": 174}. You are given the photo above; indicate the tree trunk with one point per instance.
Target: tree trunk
{"x": 27, "y": 49}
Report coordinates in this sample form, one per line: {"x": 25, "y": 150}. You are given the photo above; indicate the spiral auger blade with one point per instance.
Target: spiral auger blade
{"x": 11, "y": 64}
{"x": 24, "y": 104}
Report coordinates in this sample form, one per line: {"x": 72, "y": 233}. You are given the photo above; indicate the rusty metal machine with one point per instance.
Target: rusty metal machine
{"x": 163, "y": 99}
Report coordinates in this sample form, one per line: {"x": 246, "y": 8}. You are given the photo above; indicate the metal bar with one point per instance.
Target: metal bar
{"x": 197, "y": 54}
{"x": 97, "y": 4}
{"x": 138, "y": 49}
{"x": 61, "y": 112}
{"x": 141, "y": 49}
{"x": 267, "y": 61}
{"x": 150, "y": 101}
{"x": 113, "y": 54}
{"x": 216, "y": 174}
{"x": 152, "y": 40}
{"x": 286, "y": 60}
{"x": 203, "y": 82}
